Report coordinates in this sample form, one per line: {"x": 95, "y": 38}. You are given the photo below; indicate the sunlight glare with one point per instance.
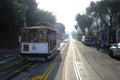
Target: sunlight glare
{"x": 65, "y": 10}
{"x": 70, "y": 37}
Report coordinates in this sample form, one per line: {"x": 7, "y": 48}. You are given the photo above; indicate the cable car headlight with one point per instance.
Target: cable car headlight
{"x": 25, "y": 47}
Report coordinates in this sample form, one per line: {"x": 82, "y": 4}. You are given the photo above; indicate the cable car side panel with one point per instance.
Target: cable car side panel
{"x": 34, "y": 48}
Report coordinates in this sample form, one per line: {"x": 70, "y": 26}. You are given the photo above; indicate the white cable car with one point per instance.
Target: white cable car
{"x": 39, "y": 41}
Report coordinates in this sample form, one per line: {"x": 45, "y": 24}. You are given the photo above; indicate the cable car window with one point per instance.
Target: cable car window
{"x": 33, "y": 35}
{"x": 42, "y": 35}
{"x": 25, "y": 36}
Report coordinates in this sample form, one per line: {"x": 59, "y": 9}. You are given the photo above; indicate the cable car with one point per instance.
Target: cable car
{"x": 39, "y": 41}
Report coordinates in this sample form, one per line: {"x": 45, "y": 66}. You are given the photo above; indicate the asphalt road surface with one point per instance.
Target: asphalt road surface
{"x": 74, "y": 61}
{"x": 86, "y": 63}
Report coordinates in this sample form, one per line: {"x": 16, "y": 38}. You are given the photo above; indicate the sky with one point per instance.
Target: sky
{"x": 65, "y": 10}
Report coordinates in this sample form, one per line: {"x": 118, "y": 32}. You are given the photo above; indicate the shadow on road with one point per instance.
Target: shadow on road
{"x": 56, "y": 68}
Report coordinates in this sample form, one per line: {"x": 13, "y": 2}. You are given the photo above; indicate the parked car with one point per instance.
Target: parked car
{"x": 114, "y": 50}
{"x": 87, "y": 40}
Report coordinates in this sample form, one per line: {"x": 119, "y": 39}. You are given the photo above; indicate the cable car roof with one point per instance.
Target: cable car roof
{"x": 39, "y": 27}
{"x": 35, "y": 27}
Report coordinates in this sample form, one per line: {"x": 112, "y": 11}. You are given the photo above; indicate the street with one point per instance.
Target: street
{"x": 74, "y": 61}
{"x": 60, "y": 40}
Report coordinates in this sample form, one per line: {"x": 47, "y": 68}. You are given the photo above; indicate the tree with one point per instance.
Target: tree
{"x": 31, "y": 10}
{"x": 106, "y": 8}
{"x": 44, "y": 16}
{"x": 10, "y": 13}
{"x": 76, "y": 27}
{"x": 13, "y": 13}
{"x": 84, "y": 21}
{"x": 60, "y": 27}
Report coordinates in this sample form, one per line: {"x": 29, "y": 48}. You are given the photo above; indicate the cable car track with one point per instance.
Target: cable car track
{"x": 16, "y": 62}
{"x": 17, "y": 71}
{"x": 12, "y": 70}
{"x": 8, "y": 73}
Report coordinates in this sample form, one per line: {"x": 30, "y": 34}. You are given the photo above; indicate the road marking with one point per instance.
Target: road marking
{"x": 36, "y": 78}
{"x": 82, "y": 65}
{"x": 92, "y": 73}
{"x": 79, "y": 69}
{"x": 47, "y": 72}
{"x": 77, "y": 73}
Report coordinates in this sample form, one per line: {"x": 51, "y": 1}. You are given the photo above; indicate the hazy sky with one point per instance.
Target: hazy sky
{"x": 65, "y": 10}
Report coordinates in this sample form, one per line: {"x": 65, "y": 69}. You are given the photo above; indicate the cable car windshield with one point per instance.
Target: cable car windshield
{"x": 34, "y": 35}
